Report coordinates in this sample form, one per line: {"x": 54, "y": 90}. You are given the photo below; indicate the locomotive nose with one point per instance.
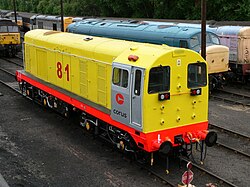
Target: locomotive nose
{"x": 217, "y": 58}
{"x": 211, "y": 139}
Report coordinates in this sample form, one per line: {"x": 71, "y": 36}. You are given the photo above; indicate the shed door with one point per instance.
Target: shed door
{"x": 120, "y": 96}
{"x": 137, "y": 92}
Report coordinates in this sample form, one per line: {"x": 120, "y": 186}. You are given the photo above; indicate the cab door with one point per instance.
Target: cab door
{"x": 137, "y": 93}
{"x": 120, "y": 93}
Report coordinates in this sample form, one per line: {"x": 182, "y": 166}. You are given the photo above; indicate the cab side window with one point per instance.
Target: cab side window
{"x": 183, "y": 44}
{"x": 3, "y": 29}
{"x": 197, "y": 75}
{"x": 13, "y": 28}
{"x": 54, "y": 27}
{"x": 120, "y": 77}
{"x": 159, "y": 79}
{"x": 40, "y": 25}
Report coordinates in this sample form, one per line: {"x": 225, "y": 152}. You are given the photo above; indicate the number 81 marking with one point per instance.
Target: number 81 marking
{"x": 59, "y": 70}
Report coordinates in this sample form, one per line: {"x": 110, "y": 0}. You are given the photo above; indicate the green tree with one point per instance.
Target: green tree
{"x": 228, "y": 10}
{"x": 6, "y": 5}
{"x": 141, "y": 8}
{"x": 168, "y": 9}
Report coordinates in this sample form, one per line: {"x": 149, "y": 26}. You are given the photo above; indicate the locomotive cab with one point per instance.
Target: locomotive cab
{"x": 9, "y": 37}
{"x": 169, "y": 108}
{"x": 49, "y": 22}
{"x": 127, "y": 90}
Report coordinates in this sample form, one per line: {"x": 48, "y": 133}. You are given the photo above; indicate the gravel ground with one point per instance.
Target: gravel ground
{"x": 233, "y": 167}
{"x": 228, "y": 165}
{"x": 40, "y": 148}
{"x": 233, "y": 117}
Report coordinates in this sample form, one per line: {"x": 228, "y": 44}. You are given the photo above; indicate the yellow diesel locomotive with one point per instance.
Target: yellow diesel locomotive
{"x": 141, "y": 97}
{"x": 9, "y": 37}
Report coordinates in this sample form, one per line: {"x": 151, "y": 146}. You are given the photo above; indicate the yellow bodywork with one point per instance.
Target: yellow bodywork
{"x": 9, "y": 38}
{"x": 83, "y": 65}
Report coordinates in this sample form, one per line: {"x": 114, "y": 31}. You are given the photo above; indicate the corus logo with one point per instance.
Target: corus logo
{"x": 119, "y": 98}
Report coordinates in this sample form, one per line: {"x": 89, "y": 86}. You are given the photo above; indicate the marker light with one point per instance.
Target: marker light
{"x": 163, "y": 96}
{"x": 133, "y": 58}
{"x": 196, "y": 91}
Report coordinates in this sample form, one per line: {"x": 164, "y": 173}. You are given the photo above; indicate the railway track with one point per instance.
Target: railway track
{"x": 9, "y": 81}
{"x": 202, "y": 177}
{"x": 221, "y": 181}
{"x": 10, "y": 67}
{"x": 9, "y": 70}
{"x": 18, "y": 60}
{"x": 239, "y": 86}
{"x": 6, "y": 71}
{"x": 158, "y": 171}
{"x": 244, "y": 95}
{"x": 238, "y": 141}
{"x": 160, "y": 176}
{"x": 231, "y": 96}
{"x": 230, "y": 131}
{"x": 14, "y": 86}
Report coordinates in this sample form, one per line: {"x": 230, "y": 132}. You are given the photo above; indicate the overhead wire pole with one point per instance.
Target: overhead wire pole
{"x": 62, "y": 21}
{"x": 14, "y": 6}
{"x": 203, "y": 28}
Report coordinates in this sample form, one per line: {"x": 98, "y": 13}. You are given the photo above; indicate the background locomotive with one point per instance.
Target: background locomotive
{"x": 217, "y": 55}
{"x": 48, "y": 22}
{"x": 218, "y": 65}
{"x": 9, "y": 37}
{"x": 11, "y": 16}
{"x": 141, "y": 97}
{"x": 236, "y": 38}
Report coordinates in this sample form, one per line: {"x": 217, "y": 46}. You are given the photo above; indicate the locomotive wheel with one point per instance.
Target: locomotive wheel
{"x": 213, "y": 83}
{"x": 6, "y": 53}
{"x": 9, "y": 53}
{"x": 13, "y": 53}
